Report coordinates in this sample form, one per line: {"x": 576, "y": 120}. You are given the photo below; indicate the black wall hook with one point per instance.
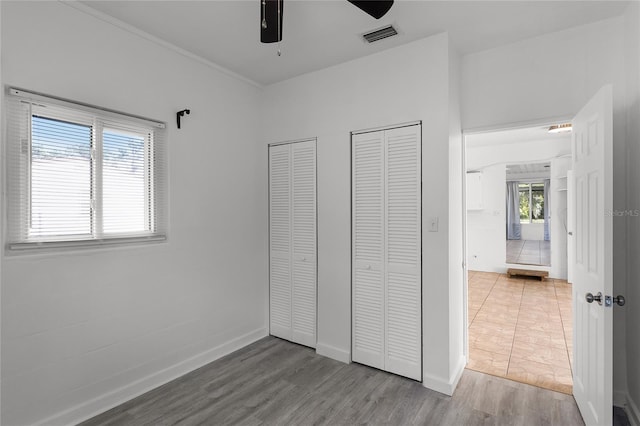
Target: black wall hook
{"x": 181, "y": 114}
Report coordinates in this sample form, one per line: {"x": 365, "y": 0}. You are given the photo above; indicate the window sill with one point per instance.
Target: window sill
{"x": 41, "y": 246}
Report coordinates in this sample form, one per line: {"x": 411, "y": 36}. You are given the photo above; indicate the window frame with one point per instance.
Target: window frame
{"x": 22, "y": 106}
{"x": 530, "y": 190}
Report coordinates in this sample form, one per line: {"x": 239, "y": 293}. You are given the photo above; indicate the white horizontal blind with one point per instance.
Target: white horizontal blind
{"x": 81, "y": 175}
{"x": 60, "y": 166}
{"x": 125, "y": 181}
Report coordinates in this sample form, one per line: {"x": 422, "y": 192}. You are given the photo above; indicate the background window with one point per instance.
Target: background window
{"x": 531, "y": 202}
{"x": 525, "y": 213}
{"x": 537, "y": 202}
{"x": 79, "y": 175}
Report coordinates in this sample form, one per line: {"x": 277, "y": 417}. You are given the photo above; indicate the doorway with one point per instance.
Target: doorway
{"x": 519, "y": 327}
{"x": 528, "y": 192}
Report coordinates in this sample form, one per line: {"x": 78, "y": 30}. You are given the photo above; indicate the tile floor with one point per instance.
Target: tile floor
{"x": 529, "y": 252}
{"x": 521, "y": 329}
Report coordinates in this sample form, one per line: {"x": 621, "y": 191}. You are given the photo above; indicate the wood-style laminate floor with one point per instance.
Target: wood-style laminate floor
{"x": 274, "y": 382}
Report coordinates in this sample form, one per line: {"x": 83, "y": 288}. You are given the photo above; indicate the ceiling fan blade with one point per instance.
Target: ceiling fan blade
{"x": 375, "y": 8}
{"x": 270, "y": 28}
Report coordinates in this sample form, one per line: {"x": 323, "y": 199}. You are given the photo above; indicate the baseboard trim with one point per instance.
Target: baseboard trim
{"x": 333, "y": 352}
{"x": 457, "y": 373}
{"x": 632, "y": 411}
{"x": 107, "y": 401}
{"x": 619, "y": 398}
{"x": 446, "y": 387}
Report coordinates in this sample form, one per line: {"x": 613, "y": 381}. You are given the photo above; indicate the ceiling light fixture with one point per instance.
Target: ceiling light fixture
{"x": 560, "y": 128}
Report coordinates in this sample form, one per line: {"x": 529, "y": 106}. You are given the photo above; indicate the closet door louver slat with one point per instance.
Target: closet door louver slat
{"x": 368, "y": 244}
{"x": 292, "y": 203}
{"x": 280, "y": 242}
{"x": 403, "y": 235}
{"x": 304, "y": 242}
{"x": 386, "y": 250}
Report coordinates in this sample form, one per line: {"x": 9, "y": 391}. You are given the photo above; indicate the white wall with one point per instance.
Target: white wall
{"x": 632, "y": 68}
{"x": 532, "y": 231}
{"x": 554, "y": 76}
{"x": 537, "y": 151}
{"x": 87, "y": 329}
{"x": 1, "y": 204}
{"x": 399, "y": 85}
{"x": 486, "y": 228}
{"x": 457, "y": 281}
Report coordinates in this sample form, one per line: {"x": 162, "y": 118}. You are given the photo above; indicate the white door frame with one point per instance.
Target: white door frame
{"x": 544, "y": 122}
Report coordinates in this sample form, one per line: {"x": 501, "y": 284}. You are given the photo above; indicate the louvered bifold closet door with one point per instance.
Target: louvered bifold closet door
{"x": 303, "y": 182}
{"x": 368, "y": 314}
{"x": 280, "y": 241}
{"x": 403, "y": 253}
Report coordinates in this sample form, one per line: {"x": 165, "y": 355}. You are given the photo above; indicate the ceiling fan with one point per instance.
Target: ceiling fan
{"x": 271, "y": 16}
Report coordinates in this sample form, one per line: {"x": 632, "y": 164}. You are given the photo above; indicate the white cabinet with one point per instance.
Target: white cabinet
{"x": 386, "y": 250}
{"x": 292, "y": 241}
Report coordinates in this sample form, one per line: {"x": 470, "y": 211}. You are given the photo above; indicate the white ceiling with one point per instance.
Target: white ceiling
{"x": 321, "y": 33}
{"x": 512, "y": 136}
{"x": 528, "y": 169}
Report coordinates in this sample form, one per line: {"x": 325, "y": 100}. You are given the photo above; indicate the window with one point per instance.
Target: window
{"x": 531, "y": 202}
{"x": 81, "y": 175}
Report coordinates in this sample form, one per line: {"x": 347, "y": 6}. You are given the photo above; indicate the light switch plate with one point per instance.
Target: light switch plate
{"x": 432, "y": 224}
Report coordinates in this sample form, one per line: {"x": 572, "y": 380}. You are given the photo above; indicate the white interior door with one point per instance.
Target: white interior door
{"x": 303, "y": 173}
{"x": 403, "y": 216}
{"x": 593, "y": 239}
{"x": 292, "y": 237}
{"x": 280, "y": 241}
{"x": 571, "y": 215}
{"x": 387, "y": 262}
{"x": 367, "y": 216}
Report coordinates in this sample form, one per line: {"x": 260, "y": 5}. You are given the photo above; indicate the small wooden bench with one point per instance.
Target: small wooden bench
{"x": 543, "y": 275}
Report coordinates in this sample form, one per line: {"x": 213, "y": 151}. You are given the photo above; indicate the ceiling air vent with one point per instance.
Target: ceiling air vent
{"x": 376, "y": 35}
